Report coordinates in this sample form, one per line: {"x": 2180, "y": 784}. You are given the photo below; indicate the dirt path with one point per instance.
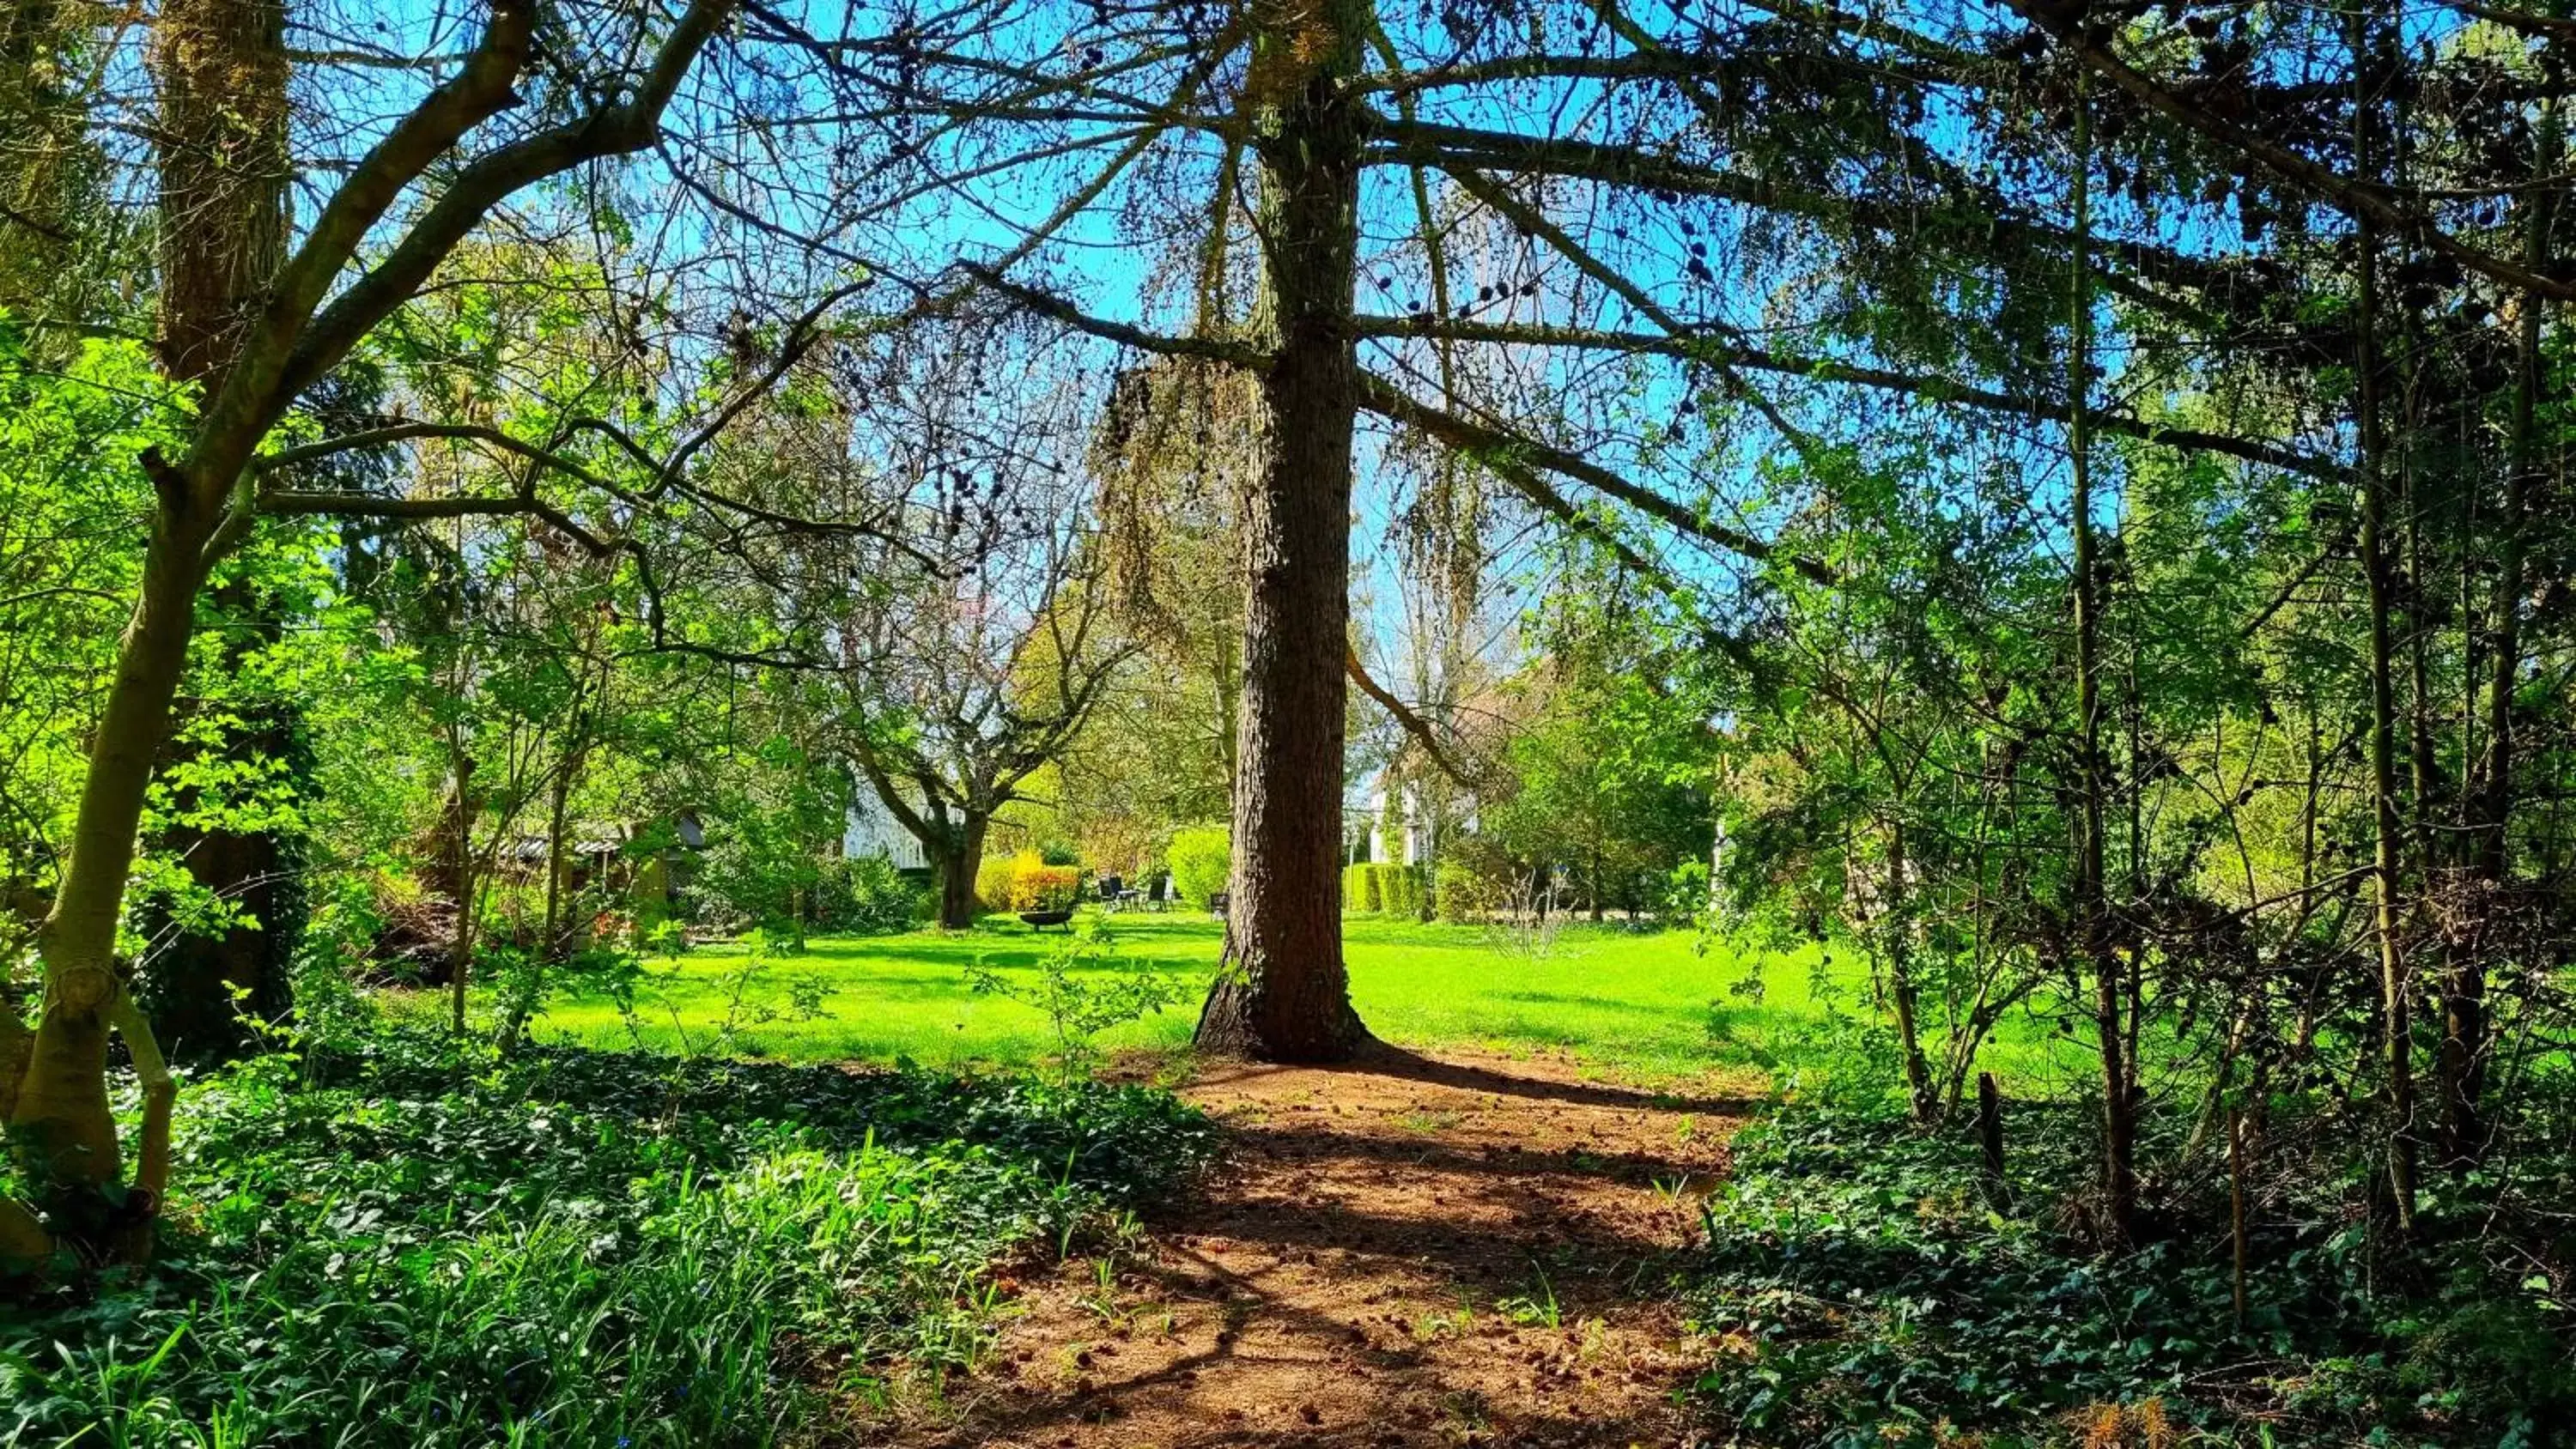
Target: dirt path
{"x": 1418, "y": 1251}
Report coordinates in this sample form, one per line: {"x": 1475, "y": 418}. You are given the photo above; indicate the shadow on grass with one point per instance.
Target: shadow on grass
{"x": 998, "y": 949}
{"x": 1383, "y": 1060}
{"x": 1661, "y": 1010}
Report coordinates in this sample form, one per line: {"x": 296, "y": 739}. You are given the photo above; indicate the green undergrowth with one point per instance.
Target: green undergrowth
{"x": 571, "y": 1247}
{"x": 1862, "y": 1286}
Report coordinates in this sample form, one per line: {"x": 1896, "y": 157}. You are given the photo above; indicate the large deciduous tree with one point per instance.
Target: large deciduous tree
{"x": 970, "y": 652}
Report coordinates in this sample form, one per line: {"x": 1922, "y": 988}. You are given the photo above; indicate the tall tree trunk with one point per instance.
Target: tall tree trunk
{"x": 44, "y": 130}
{"x": 2119, "y": 1103}
{"x": 465, "y": 882}
{"x": 2378, "y": 572}
{"x": 558, "y": 810}
{"x": 956, "y": 857}
{"x": 1284, "y": 994}
{"x": 2463, "y": 1059}
{"x": 223, "y": 70}
{"x": 2377, "y": 569}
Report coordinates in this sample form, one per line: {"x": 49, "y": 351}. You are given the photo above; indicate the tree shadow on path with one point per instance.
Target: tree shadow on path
{"x": 1410, "y": 1251}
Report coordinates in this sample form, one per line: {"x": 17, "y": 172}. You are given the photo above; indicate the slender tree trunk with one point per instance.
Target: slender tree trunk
{"x": 221, "y": 65}
{"x": 467, "y": 883}
{"x": 522, "y": 996}
{"x": 558, "y": 811}
{"x": 2119, "y": 1105}
{"x": 2378, "y": 571}
{"x": 1284, "y": 994}
{"x": 1229, "y": 704}
{"x": 62, "y": 1129}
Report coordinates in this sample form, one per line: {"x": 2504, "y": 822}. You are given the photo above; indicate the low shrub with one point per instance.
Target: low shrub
{"x": 1037, "y": 886}
{"x": 1084, "y": 986}
{"x": 1478, "y": 878}
{"x": 758, "y": 872}
{"x": 421, "y": 1247}
{"x": 866, "y": 897}
{"x": 1461, "y": 893}
{"x": 1027, "y": 881}
{"x": 1201, "y": 859}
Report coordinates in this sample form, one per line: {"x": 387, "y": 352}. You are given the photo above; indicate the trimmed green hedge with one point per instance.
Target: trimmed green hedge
{"x": 1378, "y": 888}
{"x": 1399, "y": 890}
{"x": 1359, "y": 887}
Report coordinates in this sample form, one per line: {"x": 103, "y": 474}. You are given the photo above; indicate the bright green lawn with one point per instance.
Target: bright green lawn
{"x": 1639, "y": 1002}
{"x": 1633, "y": 1004}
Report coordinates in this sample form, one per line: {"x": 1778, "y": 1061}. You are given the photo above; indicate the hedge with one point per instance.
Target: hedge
{"x": 1376, "y": 887}
{"x": 1398, "y": 889}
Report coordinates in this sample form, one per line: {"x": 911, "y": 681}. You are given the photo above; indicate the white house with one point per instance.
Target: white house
{"x": 1405, "y": 850}
{"x": 871, "y": 829}
{"x": 1411, "y": 843}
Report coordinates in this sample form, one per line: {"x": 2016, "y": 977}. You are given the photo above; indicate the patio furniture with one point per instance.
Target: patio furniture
{"x": 1217, "y": 902}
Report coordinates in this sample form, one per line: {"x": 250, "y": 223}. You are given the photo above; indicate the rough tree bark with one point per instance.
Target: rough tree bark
{"x": 223, "y": 72}
{"x": 1284, "y": 993}
{"x": 956, "y": 861}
